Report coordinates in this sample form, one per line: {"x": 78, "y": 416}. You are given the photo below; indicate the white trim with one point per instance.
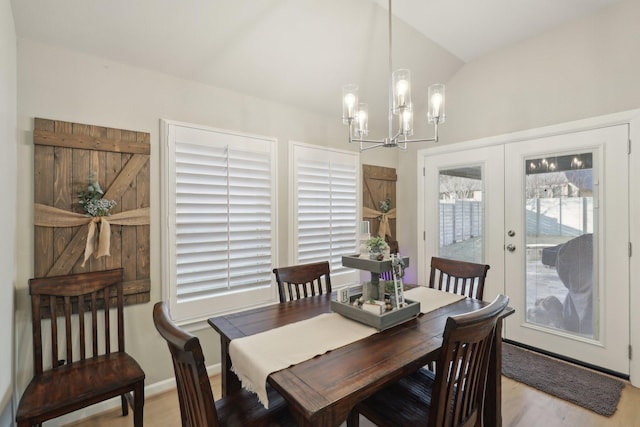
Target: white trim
{"x": 198, "y": 309}
{"x": 341, "y": 279}
{"x": 631, "y": 118}
{"x": 625, "y": 117}
{"x": 634, "y": 238}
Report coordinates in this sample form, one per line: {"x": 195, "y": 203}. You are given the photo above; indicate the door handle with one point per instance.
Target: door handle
{"x": 511, "y": 247}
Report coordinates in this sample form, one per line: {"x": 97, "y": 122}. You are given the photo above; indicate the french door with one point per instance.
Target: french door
{"x": 566, "y": 241}
{"x": 464, "y": 213}
{"x": 555, "y": 231}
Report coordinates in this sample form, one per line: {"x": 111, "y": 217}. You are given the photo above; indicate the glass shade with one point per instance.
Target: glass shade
{"x": 362, "y": 121}
{"x": 401, "y": 80}
{"x": 435, "y": 113}
{"x": 406, "y": 122}
{"x": 349, "y": 102}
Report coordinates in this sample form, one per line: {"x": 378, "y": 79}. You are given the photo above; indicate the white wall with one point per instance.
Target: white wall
{"x": 588, "y": 68}
{"x": 59, "y": 84}
{"x": 584, "y": 69}
{"x": 8, "y": 190}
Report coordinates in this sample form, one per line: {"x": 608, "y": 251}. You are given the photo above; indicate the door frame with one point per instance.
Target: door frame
{"x": 631, "y": 118}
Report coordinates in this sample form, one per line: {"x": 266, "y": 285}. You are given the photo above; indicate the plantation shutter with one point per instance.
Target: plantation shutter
{"x": 224, "y": 222}
{"x": 326, "y": 204}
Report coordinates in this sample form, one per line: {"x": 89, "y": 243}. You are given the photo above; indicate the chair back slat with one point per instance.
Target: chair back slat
{"x": 83, "y": 341}
{"x": 54, "y": 331}
{"x": 37, "y": 332}
{"x": 462, "y": 367}
{"x": 197, "y": 407}
{"x": 107, "y": 324}
{"x": 120, "y": 305}
{"x": 67, "y": 328}
{"x": 304, "y": 280}
{"x": 458, "y": 277}
{"x": 61, "y": 298}
{"x": 94, "y": 324}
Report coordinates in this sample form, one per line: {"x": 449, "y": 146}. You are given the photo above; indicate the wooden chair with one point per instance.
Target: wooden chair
{"x": 301, "y": 281}
{"x": 65, "y": 384}
{"x": 454, "y": 395}
{"x": 458, "y": 277}
{"x": 197, "y": 406}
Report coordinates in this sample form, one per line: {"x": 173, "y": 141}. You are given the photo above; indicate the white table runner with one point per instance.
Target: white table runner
{"x": 254, "y": 357}
{"x": 431, "y": 299}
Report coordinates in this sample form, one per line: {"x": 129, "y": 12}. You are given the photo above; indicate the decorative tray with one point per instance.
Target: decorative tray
{"x": 366, "y": 264}
{"x": 379, "y": 321}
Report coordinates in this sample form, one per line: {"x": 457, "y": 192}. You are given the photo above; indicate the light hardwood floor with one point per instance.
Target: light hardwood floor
{"x": 522, "y": 406}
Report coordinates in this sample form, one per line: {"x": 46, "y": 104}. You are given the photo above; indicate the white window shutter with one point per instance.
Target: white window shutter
{"x": 326, "y": 201}
{"x": 221, "y": 196}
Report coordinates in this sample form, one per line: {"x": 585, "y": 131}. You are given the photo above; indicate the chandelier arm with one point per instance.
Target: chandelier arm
{"x": 373, "y": 141}
{"x": 432, "y": 139}
{"x": 421, "y": 140}
{"x": 381, "y": 142}
{"x": 370, "y": 147}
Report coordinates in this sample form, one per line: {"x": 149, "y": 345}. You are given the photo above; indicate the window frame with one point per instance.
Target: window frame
{"x": 200, "y": 309}
{"x": 346, "y": 277}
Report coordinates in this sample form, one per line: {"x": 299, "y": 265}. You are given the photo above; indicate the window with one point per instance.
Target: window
{"x": 325, "y": 208}
{"x": 218, "y": 223}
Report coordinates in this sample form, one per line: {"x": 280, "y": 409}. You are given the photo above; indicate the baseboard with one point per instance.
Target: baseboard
{"x": 149, "y": 391}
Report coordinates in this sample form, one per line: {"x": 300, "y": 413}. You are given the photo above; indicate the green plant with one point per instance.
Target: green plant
{"x": 92, "y": 202}
{"x": 385, "y": 205}
{"x": 377, "y": 243}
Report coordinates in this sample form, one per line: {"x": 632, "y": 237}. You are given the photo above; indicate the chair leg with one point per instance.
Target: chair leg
{"x": 353, "y": 419}
{"x": 125, "y": 405}
{"x": 138, "y": 404}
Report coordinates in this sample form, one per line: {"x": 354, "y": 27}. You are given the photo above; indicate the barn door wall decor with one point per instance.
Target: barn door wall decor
{"x": 379, "y": 185}
{"x": 67, "y": 156}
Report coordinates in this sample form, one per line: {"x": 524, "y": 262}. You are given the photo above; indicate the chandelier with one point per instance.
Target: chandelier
{"x": 356, "y": 115}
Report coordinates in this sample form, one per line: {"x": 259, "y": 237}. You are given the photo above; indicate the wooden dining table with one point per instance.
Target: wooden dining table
{"x": 323, "y": 390}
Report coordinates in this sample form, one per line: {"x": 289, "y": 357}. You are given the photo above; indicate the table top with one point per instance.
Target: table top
{"x": 323, "y": 390}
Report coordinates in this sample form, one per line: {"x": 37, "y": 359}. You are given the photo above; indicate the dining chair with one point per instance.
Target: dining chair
{"x": 197, "y": 405}
{"x": 301, "y": 281}
{"x": 458, "y": 277}
{"x": 453, "y": 396}
{"x": 95, "y": 368}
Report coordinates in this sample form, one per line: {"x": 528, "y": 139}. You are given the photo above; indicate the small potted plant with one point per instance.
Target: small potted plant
{"x": 376, "y": 245}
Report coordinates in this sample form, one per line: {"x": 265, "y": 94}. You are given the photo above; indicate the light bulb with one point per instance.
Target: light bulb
{"x": 401, "y": 90}
{"x": 406, "y": 122}
{"x": 436, "y": 113}
{"x": 436, "y": 101}
{"x": 362, "y": 120}
{"x": 350, "y": 100}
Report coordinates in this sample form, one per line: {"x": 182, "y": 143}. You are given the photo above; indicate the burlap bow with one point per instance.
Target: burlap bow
{"x": 48, "y": 216}
{"x": 385, "y": 228}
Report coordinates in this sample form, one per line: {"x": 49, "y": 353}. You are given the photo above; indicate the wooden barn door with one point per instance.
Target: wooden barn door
{"x": 66, "y": 155}
{"x": 378, "y": 186}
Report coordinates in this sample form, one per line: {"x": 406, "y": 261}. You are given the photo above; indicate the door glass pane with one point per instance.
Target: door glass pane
{"x": 461, "y": 214}
{"x": 560, "y": 279}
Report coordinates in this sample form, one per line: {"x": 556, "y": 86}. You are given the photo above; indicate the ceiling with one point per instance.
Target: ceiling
{"x": 296, "y": 52}
{"x": 471, "y": 29}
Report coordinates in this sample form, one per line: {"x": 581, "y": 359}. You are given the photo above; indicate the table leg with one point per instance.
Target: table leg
{"x": 493, "y": 393}
{"x": 230, "y": 381}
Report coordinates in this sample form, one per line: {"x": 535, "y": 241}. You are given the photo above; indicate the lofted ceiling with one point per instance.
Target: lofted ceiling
{"x": 296, "y": 52}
